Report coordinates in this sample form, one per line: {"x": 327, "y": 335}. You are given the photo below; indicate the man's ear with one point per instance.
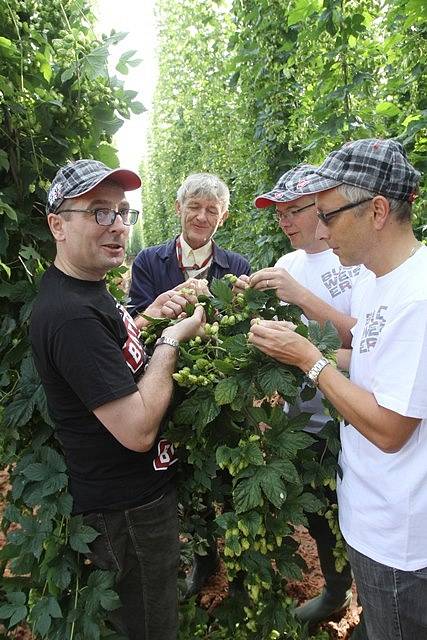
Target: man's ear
{"x": 177, "y": 208}
{"x": 56, "y": 226}
{"x": 381, "y": 211}
{"x": 223, "y": 218}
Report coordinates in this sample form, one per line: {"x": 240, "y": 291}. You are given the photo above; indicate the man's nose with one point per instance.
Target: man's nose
{"x": 322, "y": 232}
{"x": 118, "y": 224}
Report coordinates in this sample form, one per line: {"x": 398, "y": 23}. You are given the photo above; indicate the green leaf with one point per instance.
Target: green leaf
{"x": 287, "y": 443}
{"x": 226, "y": 391}
{"x": 247, "y": 494}
{"x": 273, "y": 377}
{"x": 7, "y": 209}
{"x": 310, "y": 503}
{"x": 221, "y": 291}
{"x": 81, "y": 535}
{"x": 137, "y": 107}
{"x": 325, "y": 338}
{"x": 388, "y": 109}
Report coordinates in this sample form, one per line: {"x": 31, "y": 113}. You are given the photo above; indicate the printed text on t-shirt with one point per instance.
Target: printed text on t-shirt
{"x": 374, "y": 324}
{"x": 338, "y": 280}
{"x": 133, "y": 352}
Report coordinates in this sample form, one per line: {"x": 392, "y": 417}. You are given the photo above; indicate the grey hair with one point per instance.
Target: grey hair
{"x": 204, "y": 185}
{"x": 401, "y": 209}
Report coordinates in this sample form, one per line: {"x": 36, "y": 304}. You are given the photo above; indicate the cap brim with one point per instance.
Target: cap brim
{"x": 270, "y": 198}
{"x": 313, "y": 183}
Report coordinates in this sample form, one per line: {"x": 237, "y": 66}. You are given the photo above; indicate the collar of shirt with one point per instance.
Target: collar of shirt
{"x": 190, "y": 256}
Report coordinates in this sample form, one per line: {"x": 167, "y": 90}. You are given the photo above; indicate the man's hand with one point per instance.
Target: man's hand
{"x": 199, "y": 286}
{"x": 279, "y": 341}
{"x": 241, "y": 284}
{"x": 287, "y": 288}
{"x": 188, "y": 327}
{"x": 170, "y": 304}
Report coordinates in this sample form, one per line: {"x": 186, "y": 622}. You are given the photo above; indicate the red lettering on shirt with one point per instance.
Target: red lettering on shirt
{"x": 165, "y": 455}
{"x": 133, "y": 351}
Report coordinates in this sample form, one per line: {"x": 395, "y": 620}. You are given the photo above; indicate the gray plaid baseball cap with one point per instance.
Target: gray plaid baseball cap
{"x": 281, "y": 192}
{"x": 380, "y": 166}
{"x": 79, "y": 177}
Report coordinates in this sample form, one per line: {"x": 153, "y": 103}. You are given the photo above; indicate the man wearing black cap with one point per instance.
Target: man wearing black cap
{"x": 364, "y": 192}
{"x": 106, "y": 404}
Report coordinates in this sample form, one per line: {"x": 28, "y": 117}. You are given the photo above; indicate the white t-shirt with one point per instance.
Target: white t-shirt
{"x": 383, "y": 496}
{"x": 322, "y": 274}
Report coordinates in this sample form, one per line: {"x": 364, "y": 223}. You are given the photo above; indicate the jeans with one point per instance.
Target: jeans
{"x": 394, "y": 602}
{"x": 142, "y": 546}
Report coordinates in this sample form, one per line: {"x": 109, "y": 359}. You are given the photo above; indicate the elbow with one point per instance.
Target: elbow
{"x": 144, "y": 444}
{"x": 389, "y": 445}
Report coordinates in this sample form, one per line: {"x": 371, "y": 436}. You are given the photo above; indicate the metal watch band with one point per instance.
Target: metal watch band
{"x": 171, "y": 342}
{"x": 315, "y": 370}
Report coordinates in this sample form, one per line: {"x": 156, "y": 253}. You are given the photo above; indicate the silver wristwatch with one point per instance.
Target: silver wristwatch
{"x": 315, "y": 370}
{"x": 171, "y": 342}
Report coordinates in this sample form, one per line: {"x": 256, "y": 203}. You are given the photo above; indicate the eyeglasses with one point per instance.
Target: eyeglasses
{"x": 290, "y": 214}
{"x": 325, "y": 217}
{"x": 107, "y": 217}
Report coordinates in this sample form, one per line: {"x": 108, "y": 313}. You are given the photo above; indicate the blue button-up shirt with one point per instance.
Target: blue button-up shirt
{"x": 156, "y": 270}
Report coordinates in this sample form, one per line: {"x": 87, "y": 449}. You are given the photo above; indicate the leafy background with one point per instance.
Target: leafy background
{"x": 249, "y": 88}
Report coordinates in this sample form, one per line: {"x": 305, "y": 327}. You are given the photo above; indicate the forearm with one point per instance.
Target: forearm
{"x": 344, "y": 359}
{"x": 134, "y": 420}
{"x": 386, "y": 429}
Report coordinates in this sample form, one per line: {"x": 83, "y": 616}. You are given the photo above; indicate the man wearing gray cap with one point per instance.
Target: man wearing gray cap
{"x": 364, "y": 192}
{"x": 106, "y": 403}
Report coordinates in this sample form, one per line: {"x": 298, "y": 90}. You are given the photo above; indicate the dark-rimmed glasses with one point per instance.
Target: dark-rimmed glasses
{"x": 107, "y": 217}
{"x": 325, "y": 217}
{"x": 290, "y": 214}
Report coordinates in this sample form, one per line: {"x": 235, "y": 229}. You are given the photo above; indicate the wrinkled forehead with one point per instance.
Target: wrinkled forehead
{"x": 201, "y": 196}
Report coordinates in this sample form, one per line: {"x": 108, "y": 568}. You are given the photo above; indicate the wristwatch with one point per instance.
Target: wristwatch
{"x": 171, "y": 342}
{"x": 315, "y": 370}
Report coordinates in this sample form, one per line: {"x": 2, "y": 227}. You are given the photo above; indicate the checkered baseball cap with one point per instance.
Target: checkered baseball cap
{"x": 281, "y": 192}
{"x": 79, "y": 177}
{"x": 380, "y": 166}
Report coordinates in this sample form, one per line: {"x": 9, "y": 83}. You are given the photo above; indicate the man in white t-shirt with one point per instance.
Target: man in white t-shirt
{"x": 312, "y": 277}
{"x": 364, "y": 192}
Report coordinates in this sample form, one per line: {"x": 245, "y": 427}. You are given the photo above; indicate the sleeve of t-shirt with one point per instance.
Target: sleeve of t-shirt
{"x": 142, "y": 290}
{"x": 87, "y": 355}
{"x": 400, "y": 368}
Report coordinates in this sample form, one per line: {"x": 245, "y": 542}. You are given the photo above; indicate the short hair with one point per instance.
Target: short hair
{"x": 204, "y": 185}
{"x": 401, "y": 209}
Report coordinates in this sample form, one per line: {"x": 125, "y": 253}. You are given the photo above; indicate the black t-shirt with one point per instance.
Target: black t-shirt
{"x": 87, "y": 352}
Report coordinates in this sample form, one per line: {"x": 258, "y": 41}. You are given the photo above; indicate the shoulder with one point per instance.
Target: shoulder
{"x": 290, "y": 258}
{"x": 158, "y": 251}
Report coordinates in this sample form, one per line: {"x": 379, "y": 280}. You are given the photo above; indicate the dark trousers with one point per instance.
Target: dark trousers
{"x": 142, "y": 546}
{"x": 394, "y": 602}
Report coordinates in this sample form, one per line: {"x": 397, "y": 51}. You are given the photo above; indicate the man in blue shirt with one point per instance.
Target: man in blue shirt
{"x": 202, "y": 205}
{"x": 191, "y": 259}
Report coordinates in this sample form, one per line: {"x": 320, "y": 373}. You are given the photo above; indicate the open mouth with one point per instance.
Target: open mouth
{"x": 113, "y": 246}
